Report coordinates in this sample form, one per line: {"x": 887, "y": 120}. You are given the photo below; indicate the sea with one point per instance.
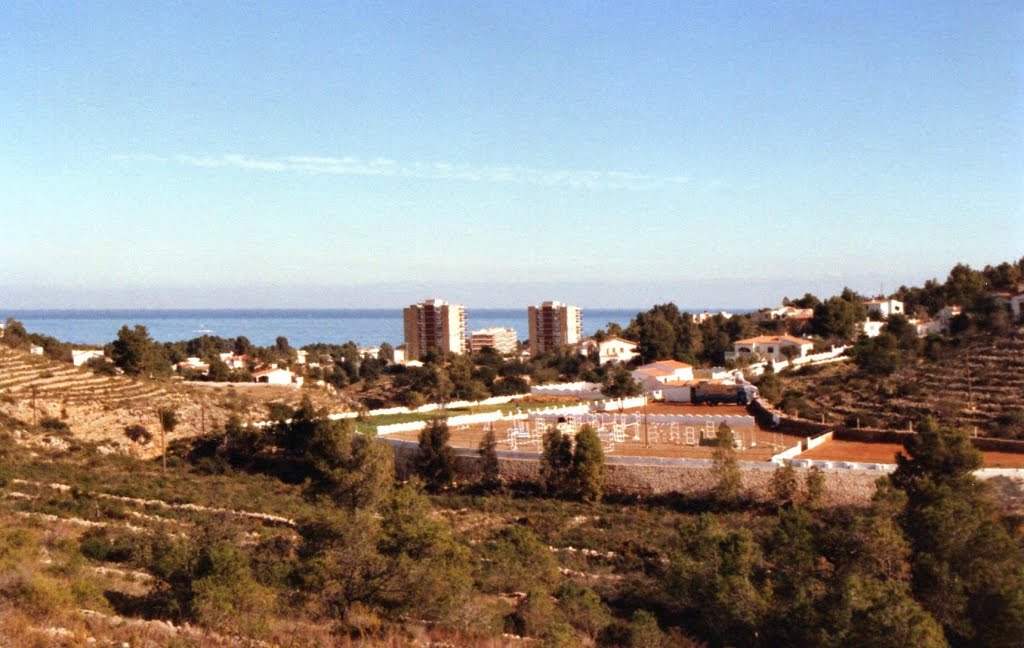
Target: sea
{"x": 365, "y": 327}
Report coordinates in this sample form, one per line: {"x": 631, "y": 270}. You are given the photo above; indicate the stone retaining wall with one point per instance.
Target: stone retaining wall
{"x": 654, "y": 475}
{"x": 770, "y": 418}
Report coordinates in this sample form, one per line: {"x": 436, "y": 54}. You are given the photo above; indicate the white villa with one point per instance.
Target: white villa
{"x": 871, "y": 328}
{"x": 771, "y": 346}
{"x": 700, "y": 318}
{"x": 232, "y": 361}
{"x": 80, "y": 356}
{"x": 1015, "y": 300}
{"x": 276, "y": 376}
{"x": 784, "y": 312}
{"x": 663, "y": 373}
{"x": 885, "y": 307}
{"x": 613, "y": 349}
{"x": 195, "y": 364}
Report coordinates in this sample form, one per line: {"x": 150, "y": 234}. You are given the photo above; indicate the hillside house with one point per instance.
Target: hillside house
{"x": 35, "y": 349}
{"x": 276, "y": 376}
{"x": 194, "y": 364}
{"x": 700, "y": 318}
{"x": 613, "y": 349}
{"x": 80, "y": 356}
{"x": 884, "y": 307}
{"x": 871, "y": 328}
{"x": 784, "y": 313}
{"x": 1014, "y": 300}
{"x": 232, "y": 361}
{"x": 771, "y": 347}
{"x": 663, "y": 373}
{"x": 927, "y": 327}
{"x": 947, "y": 313}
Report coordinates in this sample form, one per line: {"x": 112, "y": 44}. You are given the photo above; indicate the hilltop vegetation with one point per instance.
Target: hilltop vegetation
{"x": 971, "y": 375}
{"x": 298, "y": 534}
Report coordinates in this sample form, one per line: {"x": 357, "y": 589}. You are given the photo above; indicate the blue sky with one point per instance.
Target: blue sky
{"x": 608, "y": 154}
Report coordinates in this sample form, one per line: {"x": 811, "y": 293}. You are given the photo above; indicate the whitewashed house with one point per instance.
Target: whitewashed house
{"x": 700, "y": 318}
{"x": 613, "y": 349}
{"x": 194, "y": 364}
{"x": 784, "y": 313}
{"x": 885, "y": 307}
{"x": 1015, "y": 300}
{"x": 663, "y": 373}
{"x": 947, "y": 313}
{"x": 871, "y": 328}
{"x": 927, "y": 327}
{"x": 80, "y": 356}
{"x": 276, "y": 376}
{"x": 232, "y": 361}
{"x": 35, "y": 349}
{"x": 771, "y": 346}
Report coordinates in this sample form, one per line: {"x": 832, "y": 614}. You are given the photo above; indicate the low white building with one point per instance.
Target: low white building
{"x": 771, "y": 346}
{"x": 663, "y": 373}
{"x": 871, "y": 328}
{"x": 194, "y": 364}
{"x": 885, "y": 307}
{"x": 35, "y": 349}
{"x": 700, "y": 318}
{"x": 1015, "y": 300}
{"x": 276, "y": 376}
{"x": 399, "y": 355}
{"x": 784, "y": 313}
{"x": 80, "y": 356}
{"x": 232, "y": 361}
{"x": 927, "y": 327}
{"x": 613, "y": 349}
{"x": 947, "y": 313}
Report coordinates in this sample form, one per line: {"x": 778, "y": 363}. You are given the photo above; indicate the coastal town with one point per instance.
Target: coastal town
{"x": 743, "y": 410}
{"x": 512, "y": 325}
{"x": 619, "y": 379}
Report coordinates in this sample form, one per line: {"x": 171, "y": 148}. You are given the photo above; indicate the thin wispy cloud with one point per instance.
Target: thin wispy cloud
{"x": 384, "y": 167}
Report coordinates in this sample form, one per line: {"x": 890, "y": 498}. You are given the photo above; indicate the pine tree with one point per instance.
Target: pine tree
{"x": 728, "y": 480}
{"x": 967, "y": 569}
{"x": 489, "y": 468}
{"x": 555, "y": 462}
{"x": 435, "y": 461}
{"x": 587, "y": 471}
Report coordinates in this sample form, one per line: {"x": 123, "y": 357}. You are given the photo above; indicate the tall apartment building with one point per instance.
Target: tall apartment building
{"x": 502, "y": 340}
{"x": 434, "y": 324}
{"x": 553, "y": 325}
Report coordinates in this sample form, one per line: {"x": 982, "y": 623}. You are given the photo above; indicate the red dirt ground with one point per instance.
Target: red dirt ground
{"x": 886, "y": 453}
{"x": 758, "y": 445}
{"x": 685, "y": 408}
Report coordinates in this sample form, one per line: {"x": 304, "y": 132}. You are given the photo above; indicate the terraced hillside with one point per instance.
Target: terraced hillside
{"x": 99, "y": 407}
{"x": 970, "y": 387}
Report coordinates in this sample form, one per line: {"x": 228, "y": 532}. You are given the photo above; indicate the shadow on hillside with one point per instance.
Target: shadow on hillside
{"x": 139, "y": 606}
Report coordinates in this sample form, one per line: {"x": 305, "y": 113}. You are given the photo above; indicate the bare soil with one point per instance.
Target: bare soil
{"x": 860, "y": 451}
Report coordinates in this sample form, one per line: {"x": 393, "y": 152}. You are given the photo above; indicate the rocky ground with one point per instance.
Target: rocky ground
{"x": 97, "y": 407}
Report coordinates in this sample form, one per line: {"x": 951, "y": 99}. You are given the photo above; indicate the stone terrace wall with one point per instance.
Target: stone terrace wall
{"x": 771, "y": 418}
{"x": 655, "y": 476}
